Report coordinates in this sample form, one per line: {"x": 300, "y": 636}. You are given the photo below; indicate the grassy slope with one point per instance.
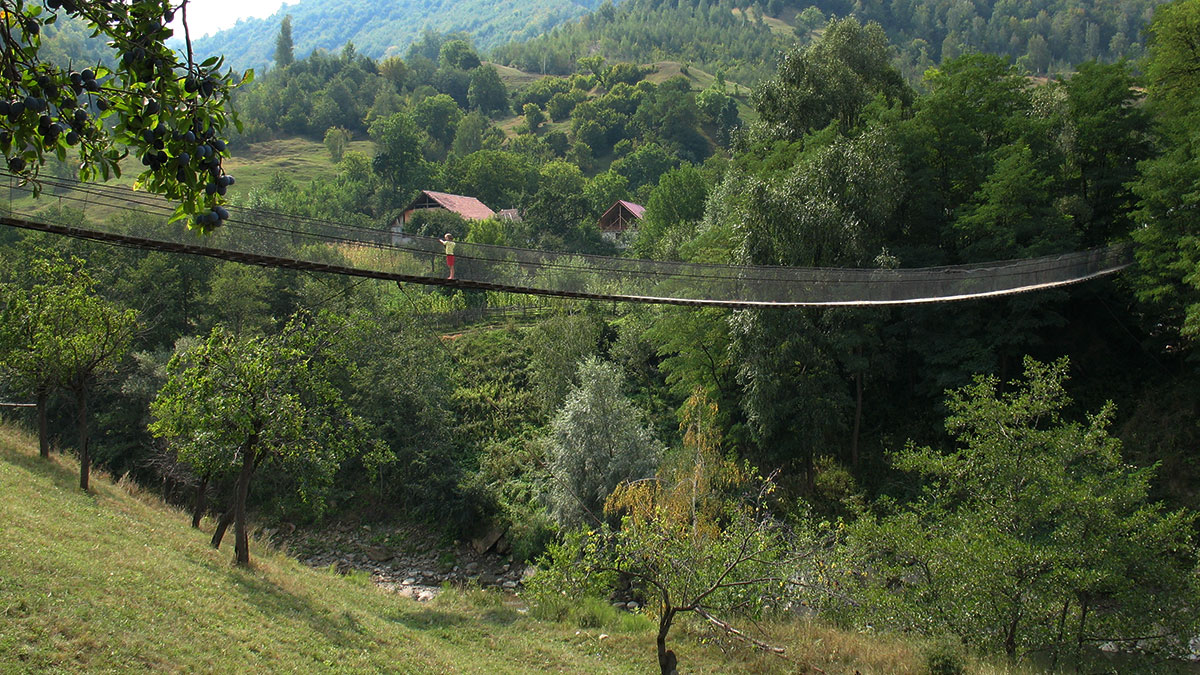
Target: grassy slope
{"x": 115, "y": 580}
{"x": 300, "y": 159}
{"x": 105, "y": 580}
{"x": 254, "y": 165}
{"x": 514, "y": 78}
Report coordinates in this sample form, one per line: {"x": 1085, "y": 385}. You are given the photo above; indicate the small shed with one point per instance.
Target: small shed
{"x": 619, "y": 217}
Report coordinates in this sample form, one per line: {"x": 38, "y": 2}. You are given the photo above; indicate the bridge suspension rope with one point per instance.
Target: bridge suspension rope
{"x": 276, "y": 239}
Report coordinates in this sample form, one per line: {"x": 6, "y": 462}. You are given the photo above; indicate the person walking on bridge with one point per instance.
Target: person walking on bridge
{"x": 448, "y": 242}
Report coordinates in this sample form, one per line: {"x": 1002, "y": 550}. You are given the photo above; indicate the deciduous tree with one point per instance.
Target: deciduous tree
{"x": 57, "y": 333}
{"x": 398, "y": 158}
{"x": 1031, "y": 534}
{"x": 598, "y": 440}
{"x": 1168, "y": 238}
{"x": 232, "y": 405}
{"x": 458, "y": 54}
{"x": 697, "y": 539}
{"x": 830, "y": 80}
{"x": 336, "y": 140}
{"x": 487, "y": 92}
{"x": 675, "y": 207}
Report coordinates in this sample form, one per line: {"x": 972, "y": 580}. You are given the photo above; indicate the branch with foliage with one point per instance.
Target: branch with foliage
{"x": 167, "y": 111}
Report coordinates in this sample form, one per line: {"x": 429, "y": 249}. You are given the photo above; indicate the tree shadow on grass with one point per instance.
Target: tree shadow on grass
{"x": 426, "y": 618}
{"x": 342, "y": 630}
{"x": 65, "y": 477}
{"x": 501, "y": 616}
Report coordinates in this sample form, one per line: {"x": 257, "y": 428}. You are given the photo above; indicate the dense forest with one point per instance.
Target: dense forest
{"x": 740, "y": 39}
{"x": 743, "y": 39}
{"x": 381, "y": 28}
{"x": 1018, "y": 472}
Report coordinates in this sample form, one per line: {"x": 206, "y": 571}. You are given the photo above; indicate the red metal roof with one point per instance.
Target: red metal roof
{"x": 619, "y": 215}
{"x": 467, "y": 207}
{"x": 636, "y": 209}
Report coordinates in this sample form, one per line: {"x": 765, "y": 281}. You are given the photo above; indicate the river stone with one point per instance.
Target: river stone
{"x": 502, "y": 546}
{"x": 487, "y": 541}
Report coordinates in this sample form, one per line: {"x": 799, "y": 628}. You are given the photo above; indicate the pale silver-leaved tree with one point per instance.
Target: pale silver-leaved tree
{"x": 598, "y": 440}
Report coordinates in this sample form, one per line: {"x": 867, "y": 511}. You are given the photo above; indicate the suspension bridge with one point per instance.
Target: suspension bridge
{"x": 274, "y": 239}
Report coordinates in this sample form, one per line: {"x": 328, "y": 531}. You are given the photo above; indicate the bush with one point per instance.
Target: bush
{"x": 588, "y": 612}
{"x": 946, "y": 658}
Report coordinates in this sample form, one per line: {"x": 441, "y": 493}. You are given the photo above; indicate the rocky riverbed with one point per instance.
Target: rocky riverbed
{"x": 406, "y": 559}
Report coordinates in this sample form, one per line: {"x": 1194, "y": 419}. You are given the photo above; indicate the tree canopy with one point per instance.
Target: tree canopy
{"x": 232, "y": 405}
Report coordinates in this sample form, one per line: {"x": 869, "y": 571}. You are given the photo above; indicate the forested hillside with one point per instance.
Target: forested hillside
{"x": 380, "y": 28}
{"x": 743, "y": 38}
{"x": 740, "y": 38}
{"x": 1018, "y": 473}
{"x": 561, "y": 149}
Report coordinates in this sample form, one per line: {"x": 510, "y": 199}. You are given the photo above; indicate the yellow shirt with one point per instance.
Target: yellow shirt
{"x": 449, "y": 247}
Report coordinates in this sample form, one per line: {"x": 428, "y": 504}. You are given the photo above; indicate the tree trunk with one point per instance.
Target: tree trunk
{"x": 85, "y": 460}
{"x": 667, "y": 662}
{"x": 1079, "y": 635}
{"x": 222, "y": 525}
{"x": 1058, "y": 643}
{"x": 241, "y": 537}
{"x": 810, "y": 471}
{"x": 43, "y": 432}
{"x": 200, "y": 503}
{"x": 1010, "y": 637}
{"x": 858, "y": 406}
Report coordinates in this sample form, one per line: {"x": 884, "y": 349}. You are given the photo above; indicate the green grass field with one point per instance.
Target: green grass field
{"x": 254, "y": 165}
{"x": 300, "y": 159}
{"x": 117, "y": 581}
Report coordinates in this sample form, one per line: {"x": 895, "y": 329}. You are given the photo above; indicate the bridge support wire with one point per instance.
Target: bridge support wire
{"x": 274, "y": 239}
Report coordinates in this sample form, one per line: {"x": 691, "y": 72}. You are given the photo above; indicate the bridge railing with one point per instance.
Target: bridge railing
{"x": 261, "y": 236}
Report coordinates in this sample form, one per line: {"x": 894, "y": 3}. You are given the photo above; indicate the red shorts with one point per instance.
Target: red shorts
{"x": 450, "y": 260}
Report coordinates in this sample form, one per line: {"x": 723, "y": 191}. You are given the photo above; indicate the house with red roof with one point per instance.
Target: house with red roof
{"x": 469, "y": 208}
{"x": 619, "y": 218}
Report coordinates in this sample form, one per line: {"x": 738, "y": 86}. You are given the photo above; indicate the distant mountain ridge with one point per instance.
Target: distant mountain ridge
{"x": 380, "y": 28}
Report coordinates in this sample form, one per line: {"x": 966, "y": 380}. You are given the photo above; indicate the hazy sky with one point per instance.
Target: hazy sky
{"x": 209, "y": 16}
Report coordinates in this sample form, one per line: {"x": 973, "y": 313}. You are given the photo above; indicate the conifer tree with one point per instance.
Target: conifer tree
{"x": 284, "y": 54}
